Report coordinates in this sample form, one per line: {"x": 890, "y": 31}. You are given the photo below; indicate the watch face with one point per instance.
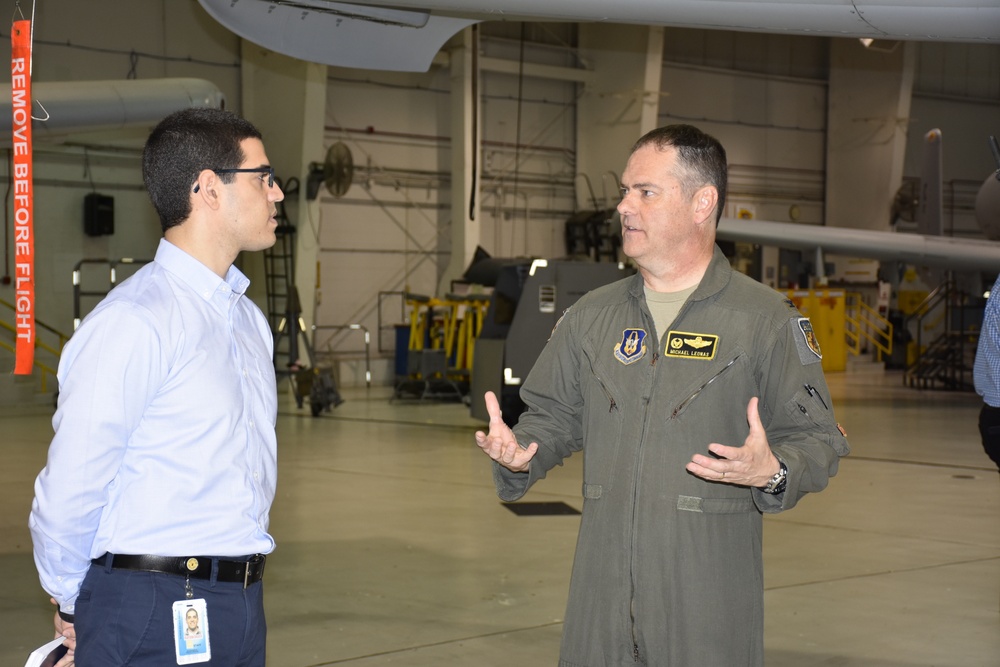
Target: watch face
{"x": 776, "y": 484}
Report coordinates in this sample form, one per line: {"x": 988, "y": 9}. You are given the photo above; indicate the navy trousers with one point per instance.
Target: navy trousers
{"x": 989, "y": 429}
{"x": 125, "y": 618}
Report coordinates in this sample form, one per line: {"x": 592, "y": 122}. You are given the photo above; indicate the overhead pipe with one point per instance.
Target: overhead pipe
{"x": 67, "y": 107}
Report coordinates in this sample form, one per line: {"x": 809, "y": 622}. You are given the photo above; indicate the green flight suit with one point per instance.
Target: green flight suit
{"x": 668, "y": 567}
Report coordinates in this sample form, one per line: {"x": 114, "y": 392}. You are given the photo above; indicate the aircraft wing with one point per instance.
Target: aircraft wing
{"x": 340, "y": 34}
{"x": 405, "y": 35}
{"x": 933, "y": 251}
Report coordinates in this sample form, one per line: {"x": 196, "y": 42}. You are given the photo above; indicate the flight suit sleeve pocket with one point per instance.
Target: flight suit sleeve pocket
{"x": 804, "y": 410}
{"x": 808, "y": 413}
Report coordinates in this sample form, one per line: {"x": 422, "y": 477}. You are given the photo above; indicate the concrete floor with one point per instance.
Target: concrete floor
{"x": 394, "y": 550}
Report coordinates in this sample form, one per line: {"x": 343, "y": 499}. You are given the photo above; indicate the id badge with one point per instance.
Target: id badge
{"x": 191, "y": 632}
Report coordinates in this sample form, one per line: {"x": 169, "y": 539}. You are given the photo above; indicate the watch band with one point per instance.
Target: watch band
{"x": 776, "y": 484}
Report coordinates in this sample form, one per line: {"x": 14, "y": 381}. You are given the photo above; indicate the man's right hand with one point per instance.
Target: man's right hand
{"x": 500, "y": 444}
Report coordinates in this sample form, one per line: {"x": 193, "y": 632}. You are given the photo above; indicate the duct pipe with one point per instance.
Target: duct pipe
{"x": 83, "y": 106}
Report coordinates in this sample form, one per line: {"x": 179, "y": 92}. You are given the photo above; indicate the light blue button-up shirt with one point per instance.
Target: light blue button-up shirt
{"x": 164, "y": 434}
{"x": 986, "y": 370}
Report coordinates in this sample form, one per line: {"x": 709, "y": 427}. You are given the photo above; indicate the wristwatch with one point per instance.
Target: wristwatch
{"x": 776, "y": 484}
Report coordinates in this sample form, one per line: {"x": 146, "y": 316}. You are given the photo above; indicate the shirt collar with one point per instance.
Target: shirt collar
{"x": 716, "y": 277}
{"x": 196, "y": 275}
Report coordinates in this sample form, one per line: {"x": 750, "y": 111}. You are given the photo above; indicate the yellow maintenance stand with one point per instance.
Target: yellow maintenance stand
{"x": 825, "y": 309}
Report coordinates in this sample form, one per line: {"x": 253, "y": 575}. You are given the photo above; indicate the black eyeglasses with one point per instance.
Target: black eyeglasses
{"x": 255, "y": 170}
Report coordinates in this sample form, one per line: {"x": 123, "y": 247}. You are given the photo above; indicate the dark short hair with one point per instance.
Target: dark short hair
{"x": 180, "y": 147}
{"x": 701, "y": 157}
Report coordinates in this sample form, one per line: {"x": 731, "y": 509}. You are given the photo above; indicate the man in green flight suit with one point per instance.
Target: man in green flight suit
{"x": 698, "y": 397}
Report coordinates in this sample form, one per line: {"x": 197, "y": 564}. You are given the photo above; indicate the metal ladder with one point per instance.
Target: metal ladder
{"x": 279, "y": 276}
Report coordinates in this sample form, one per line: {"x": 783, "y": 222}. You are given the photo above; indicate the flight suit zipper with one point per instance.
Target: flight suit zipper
{"x": 815, "y": 394}
{"x": 612, "y": 405}
{"x": 635, "y": 500}
{"x": 687, "y": 401}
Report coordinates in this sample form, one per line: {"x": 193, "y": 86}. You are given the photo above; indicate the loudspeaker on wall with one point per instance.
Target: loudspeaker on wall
{"x": 98, "y": 214}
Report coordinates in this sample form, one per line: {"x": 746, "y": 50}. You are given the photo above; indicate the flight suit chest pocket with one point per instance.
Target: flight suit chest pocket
{"x": 707, "y": 383}
{"x": 603, "y": 385}
{"x": 606, "y": 404}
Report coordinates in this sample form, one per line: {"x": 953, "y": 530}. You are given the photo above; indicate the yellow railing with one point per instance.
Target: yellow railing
{"x": 46, "y": 369}
{"x": 865, "y": 323}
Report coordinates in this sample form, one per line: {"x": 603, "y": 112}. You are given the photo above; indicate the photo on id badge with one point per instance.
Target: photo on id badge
{"x": 191, "y": 632}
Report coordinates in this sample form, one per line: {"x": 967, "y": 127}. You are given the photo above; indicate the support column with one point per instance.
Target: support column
{"x": 286, "y": 99}
{"x": 869, "y": 110}
{"x": 465, "y": 223}
{"x": 619, "y": 105}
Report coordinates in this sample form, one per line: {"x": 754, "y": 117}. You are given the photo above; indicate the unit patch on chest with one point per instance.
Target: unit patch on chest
{"x": 691, "y": 345}
{"x": 632, "y": 346}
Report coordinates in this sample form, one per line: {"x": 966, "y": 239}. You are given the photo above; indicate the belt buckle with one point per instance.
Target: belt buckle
{"x": 256, "y": 559}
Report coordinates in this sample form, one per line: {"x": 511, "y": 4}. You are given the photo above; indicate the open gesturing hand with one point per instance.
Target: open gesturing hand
{"x": 753, "y": 464}
{"x": 500, "y": 444}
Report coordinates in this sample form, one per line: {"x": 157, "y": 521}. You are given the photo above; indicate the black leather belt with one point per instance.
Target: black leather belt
{"x": 246, "y": 572}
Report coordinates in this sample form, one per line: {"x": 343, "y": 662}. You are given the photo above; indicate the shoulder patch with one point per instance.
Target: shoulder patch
{"x": 632, "y": 347}
{"x": 558, "y": 322}
{"x": 806, "y": 342}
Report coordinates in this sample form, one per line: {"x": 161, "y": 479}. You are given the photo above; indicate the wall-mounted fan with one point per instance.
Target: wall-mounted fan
{"x": 336, "y": 172}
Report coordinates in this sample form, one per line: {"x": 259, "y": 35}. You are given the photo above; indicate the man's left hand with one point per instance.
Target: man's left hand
{"x": 753, "y": 464}
{"x": 67, "y": 630}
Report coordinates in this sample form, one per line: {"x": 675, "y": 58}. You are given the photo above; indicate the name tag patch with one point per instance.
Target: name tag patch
{"x": 632, "y": 346}
{"x": 691, "y": 345}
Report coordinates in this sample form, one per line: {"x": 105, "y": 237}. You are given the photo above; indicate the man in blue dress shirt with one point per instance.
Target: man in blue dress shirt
{"x": 159, "y": 481}
{"x": 986, "y": 374}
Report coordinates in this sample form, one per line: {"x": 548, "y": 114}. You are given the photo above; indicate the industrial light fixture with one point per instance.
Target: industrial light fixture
{"x": 883, "y": 45}
{"x": 509, "y": 379}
